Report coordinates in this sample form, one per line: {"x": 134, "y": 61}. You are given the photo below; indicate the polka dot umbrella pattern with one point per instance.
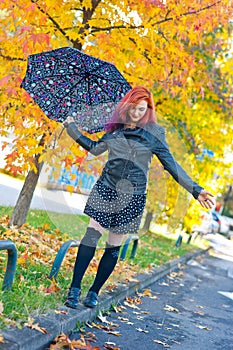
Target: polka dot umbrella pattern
{"x": 67, "y": 82}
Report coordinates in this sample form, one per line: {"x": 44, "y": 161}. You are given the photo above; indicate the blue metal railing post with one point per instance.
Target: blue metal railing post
{"x": 60, "y": 256}
{"x": 134, "y": 249}
{"x": 11, "y": 263}
{"x": 126, "y": 246}
{"x": 73, "y": 243}
{"x": 179, "y": 241}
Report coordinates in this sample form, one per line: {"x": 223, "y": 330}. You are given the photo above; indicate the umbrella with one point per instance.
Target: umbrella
{"x": 67, "y": 82}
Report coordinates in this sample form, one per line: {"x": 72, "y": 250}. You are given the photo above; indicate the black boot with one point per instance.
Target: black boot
{"x": 73, "y": 298}
{"x": 91, "y": 299}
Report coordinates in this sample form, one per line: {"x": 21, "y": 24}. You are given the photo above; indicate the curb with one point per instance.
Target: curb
{"x": 55, "y": 324}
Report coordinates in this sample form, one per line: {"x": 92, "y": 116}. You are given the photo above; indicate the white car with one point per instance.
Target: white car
{"x": 209, "y": 223}
{"x": 226, "y": 226}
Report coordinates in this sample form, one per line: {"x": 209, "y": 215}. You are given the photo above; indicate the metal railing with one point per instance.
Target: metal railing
{"x": 73, "y": 243}
{"x": 11, "y": 263}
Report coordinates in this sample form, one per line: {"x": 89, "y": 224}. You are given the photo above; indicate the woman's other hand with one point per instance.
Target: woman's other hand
{"x": 205, "y": 199}
{"x": 68, "y": 121}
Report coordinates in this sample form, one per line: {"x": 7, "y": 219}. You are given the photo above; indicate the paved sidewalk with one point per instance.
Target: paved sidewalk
{"x": 55, "y": 324}
{"x": 44, "y": 199}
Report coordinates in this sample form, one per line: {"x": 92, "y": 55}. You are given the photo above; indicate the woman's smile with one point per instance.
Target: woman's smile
{"x": 137, "y": 111}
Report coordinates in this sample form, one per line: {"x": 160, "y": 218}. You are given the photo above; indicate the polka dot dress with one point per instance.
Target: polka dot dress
{"x": 116, "y": 210}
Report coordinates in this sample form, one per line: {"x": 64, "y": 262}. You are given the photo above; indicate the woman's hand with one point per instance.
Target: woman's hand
{"x": 68, "y": 121}
{"x": 205, "y": 199}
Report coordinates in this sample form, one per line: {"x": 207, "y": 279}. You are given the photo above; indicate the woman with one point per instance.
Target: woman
{"x": 118, "y": 198}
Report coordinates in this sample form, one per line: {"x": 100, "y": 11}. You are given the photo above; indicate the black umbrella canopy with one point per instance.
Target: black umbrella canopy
{"x": 67, "y": 82}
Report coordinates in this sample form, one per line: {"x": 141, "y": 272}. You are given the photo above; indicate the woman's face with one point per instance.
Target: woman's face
{"x": 137, "y": 111}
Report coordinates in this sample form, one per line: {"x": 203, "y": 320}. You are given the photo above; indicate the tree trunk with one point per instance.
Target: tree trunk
{"x": 25, "y": 197}
{"x": 147, "y": 222}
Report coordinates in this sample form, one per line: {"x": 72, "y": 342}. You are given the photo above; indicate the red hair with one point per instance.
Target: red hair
{"x": 134, "y": 96}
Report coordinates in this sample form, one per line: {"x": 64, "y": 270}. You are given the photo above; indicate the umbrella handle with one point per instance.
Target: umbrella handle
{"x": 61, "y": 133}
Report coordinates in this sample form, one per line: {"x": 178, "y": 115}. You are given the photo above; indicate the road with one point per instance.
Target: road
{"x": 190, "y": 309}
{"x": 44, "y": 199}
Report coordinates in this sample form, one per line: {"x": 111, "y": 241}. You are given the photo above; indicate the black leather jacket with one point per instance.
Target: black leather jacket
{"x": 129, "y": 156}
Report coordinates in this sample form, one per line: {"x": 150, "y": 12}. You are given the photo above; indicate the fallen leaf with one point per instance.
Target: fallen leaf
{"x": 89, "y": 325}
{"x": 118, "y": 309}
{"x": 117, "y": 334}
{"x": 132, "y": 280}
{"x": 109, "y": 327}
{"x": 162, "y": 343}
{"x": 63, "y": 341}
{"x": 109, "y": 287}
{"x": 147, "y": 292}
{"x": 171, "y": 308}
{"x": 53, "y": 288}
{"x": 203, "y": 327}
{"x": 1, "y": 339}
{"x": 175, "y": 341}
{"x": 36, "y": 327}
{"x": 201, "y": 313}
{"x": 131, "y": 305}
{"x": 91, "y": 337}
{"x": 140, "y": 317}
{"x": 135, "y": 300}
{"x": 102, "y": 318}
{"x": 175, "y": 325}
{"x": 109, "y": 347}
{"x": 62, "y": 312}
{"x": 124, "y": 319}
{"x": 142, "y": 330}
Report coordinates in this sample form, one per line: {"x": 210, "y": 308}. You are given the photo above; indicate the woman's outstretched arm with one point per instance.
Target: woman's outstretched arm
{"x": 94, "y": 147}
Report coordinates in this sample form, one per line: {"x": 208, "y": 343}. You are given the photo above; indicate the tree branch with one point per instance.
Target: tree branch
{"x": 187, "y": 13}
{"x": 51, "y": 19}
{"x": 98, "y": 29}
{"x": 87, "y": 15}
{"x": 9, "y": 58}
{"x": 166, "y": 19}
{"x": 182, "y": 126}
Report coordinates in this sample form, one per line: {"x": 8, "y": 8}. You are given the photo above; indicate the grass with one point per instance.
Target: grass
{"x": 38, "y": 241}
{"x": 73, "y": 225}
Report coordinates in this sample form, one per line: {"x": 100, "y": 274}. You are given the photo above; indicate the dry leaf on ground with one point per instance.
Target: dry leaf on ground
{"x": 35, "y": 326}
{"x": 1, "y": 339}
{"x": 109, "y": 347}
{"x": 203, "y": 327}
{"x": 171, "y": 308}
{"x": 162, "y": 343}
{"x": 61, "y": 312}
{"x": 117, "y": 334}
{"x": 142, "y": 330}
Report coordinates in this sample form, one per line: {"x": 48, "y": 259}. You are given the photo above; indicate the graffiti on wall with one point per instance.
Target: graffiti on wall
{"x": 75, "y": 178}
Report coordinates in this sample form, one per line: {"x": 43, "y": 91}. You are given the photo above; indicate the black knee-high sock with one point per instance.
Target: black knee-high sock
{"x": 106, "y": 266}
{"x": 85, "y": 253}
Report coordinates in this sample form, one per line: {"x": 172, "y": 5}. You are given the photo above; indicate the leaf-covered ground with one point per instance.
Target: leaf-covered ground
{"x": 33, "y": 293}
